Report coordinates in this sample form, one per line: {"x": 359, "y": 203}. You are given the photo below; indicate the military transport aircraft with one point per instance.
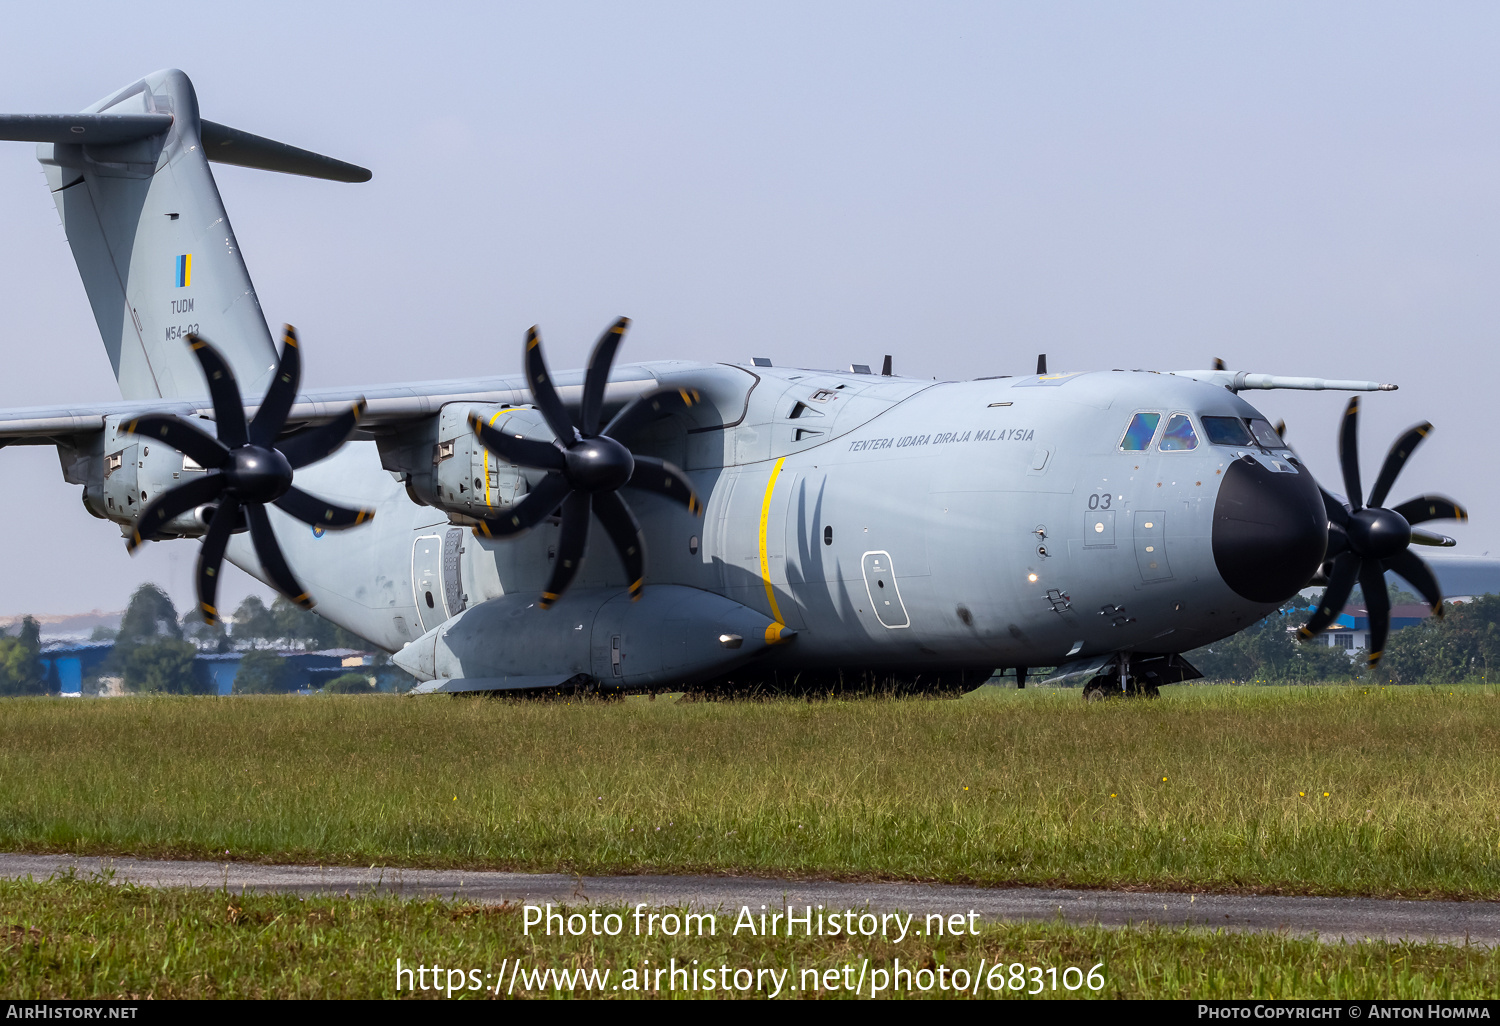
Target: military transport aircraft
{"x": 739, "y": 522}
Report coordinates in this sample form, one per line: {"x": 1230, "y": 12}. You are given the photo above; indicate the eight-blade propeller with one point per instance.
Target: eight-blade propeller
{"x": 247, "y": 467}
{"x": 586, "y": 466}
{"x": 1364, "y": 541}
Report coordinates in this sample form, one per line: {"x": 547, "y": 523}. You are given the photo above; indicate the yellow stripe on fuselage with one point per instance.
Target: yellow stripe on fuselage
{"x": 765, "y": 561}
{"x": 493, "y": 417}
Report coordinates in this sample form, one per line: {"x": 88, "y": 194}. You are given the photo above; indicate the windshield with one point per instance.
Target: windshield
{"x": 1265, "y": 434}
{"x": 1226, "y": 431}
{"x": 1138, "y": 434}
{"x": 1179, "y": 435}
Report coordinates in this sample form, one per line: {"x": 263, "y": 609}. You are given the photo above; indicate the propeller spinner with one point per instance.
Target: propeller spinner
{"x": 1364, "y": 541}
{"x": 586, "y": 466}
{"x": 248, "y": 467}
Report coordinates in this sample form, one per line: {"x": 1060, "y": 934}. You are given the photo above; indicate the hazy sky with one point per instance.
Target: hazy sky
{"x": 1299, "y": 188}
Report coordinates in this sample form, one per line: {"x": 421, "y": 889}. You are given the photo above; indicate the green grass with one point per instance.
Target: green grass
{"x": 1328, "y": 790}
{"x": 75, "y": 938}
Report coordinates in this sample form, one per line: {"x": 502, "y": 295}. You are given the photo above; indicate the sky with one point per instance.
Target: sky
{"x": 1298, "y": 188}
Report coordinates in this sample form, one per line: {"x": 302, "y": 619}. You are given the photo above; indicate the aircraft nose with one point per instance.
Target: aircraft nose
{"x": 1270, "y": 530}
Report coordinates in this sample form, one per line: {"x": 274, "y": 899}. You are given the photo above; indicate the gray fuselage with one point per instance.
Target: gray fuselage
{"x": 888, "y": 521}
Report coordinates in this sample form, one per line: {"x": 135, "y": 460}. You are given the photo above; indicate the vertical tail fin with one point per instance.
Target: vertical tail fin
{"x": 149, "y": 233}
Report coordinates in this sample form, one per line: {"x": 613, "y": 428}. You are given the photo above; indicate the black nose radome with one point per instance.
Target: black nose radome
{"x": 1270, "y": 531}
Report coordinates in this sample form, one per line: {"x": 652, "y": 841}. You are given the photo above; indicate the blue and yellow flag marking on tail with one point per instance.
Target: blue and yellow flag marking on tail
{"x": 184, "y": 270}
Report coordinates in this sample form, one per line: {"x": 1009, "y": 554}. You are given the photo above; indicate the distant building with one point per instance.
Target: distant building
{"x": 1461, "y": 578}
{"x": 66, "y": 665}
{"x": 1350, "y": 631}
{"x": 305, "y": 671}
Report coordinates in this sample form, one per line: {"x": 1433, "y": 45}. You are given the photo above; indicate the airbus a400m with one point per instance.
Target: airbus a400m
{"x": 646, "y": 525}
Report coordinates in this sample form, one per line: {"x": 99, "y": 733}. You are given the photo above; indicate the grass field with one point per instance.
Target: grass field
{"x": 1327, "y": 790}
{"x": 85, "y": 939}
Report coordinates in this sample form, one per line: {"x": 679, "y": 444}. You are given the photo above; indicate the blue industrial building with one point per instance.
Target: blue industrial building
{"x": 1350, "y": 631}
{"x": 65, "y": 666}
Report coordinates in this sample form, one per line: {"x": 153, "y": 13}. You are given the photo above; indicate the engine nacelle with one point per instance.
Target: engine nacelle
{"x": 121, "y": 473}
{"x": 444, "y": 465}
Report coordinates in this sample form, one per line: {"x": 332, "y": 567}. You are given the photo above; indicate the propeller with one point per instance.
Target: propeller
{"x": 586, "y": 466}
{"x": 247, "y": 467}
{"x": 1366, "y": 540}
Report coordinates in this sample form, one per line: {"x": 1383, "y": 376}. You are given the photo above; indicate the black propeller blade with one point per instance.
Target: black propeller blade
{"x": 586, "y": 466}
{"x": 247, "y": 467}
{"x": 1366, "y": 541}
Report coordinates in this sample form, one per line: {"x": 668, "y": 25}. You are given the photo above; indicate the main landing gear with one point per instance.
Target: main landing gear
{"x": 1137, "y": 675}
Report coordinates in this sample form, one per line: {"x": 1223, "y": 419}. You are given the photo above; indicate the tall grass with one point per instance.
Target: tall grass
{"x": 1332, "y": 790}
{"x": 85, "y": 939}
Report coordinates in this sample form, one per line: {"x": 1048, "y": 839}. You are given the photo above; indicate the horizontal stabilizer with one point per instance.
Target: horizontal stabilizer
{"x": 225, "y": 145}
{"x": 221, "y": 144}
{"x": 94, "y": 129}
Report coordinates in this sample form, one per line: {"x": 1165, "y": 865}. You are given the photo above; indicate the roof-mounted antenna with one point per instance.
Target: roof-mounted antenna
{"x": 885, "y": 368}
{"x": 1041, "y": 363}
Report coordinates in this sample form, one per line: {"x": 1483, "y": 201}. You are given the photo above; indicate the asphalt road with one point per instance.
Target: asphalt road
{"x": 1454, "y": 922}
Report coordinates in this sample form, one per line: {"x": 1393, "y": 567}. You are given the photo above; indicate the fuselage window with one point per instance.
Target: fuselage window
{"x": 1265, "y": 434}
{"x": 1138, "y": 435}
{"x": 1226, "y": 430}
{"x": 1179, "y": 434}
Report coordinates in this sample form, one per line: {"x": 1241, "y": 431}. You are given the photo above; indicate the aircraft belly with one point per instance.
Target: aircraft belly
{"x": 673, "y": 634}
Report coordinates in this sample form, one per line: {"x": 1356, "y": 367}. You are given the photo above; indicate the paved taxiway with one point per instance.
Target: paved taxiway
{"x": 1455, "y": 922}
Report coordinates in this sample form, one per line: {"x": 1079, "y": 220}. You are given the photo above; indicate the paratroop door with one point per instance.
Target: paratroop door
{"x": 880, "y": 582}
{"x": 427, "y": 580}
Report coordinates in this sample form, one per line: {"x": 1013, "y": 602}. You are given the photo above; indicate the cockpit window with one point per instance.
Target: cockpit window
{"x": 1265, "y": 434}
{"x": 1138, "y": 434}
{"x": 1226, "y": 431}
{"x": 1179, "y": 435}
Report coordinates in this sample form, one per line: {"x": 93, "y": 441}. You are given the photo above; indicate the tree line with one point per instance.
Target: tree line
{"x": 1461, "y": 645}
